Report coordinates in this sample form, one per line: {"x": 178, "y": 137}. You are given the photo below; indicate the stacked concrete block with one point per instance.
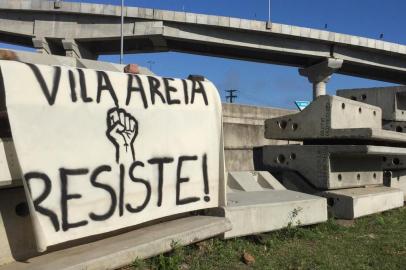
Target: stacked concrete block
{"x": 257, "y": 202}
{"x": 243, "y": 129}
{"x": 119, "y": 251}
{"x": 342, "y": 152}
{"x": 396, "y": 179}
{"x": 392, "y": 101}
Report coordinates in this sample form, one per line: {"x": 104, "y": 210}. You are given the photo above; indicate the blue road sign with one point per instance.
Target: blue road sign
{"x": 301, "y": 104}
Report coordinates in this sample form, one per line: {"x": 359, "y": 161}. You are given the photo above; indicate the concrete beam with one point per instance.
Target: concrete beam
{"x": 243, "y": 131}
{"x": 392, "y": 100}
{"x": 121, "y": 250}
{"x": 398, "y": 126}
{"x": 264, "y": 211}
{"x": 358, "y": 202}
{"x": 257, "y": 202}
{"x": 348, "y": 203}
{"x": 333, "y": 118}
{"x": 332, "y": 166}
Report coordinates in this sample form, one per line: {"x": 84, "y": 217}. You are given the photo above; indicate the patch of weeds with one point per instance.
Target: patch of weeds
{"x": 272, "y": 243}
{"x": 331, "y": 226}
{"x": 138, "y": 264}
{"x": 289, "y": 233}
{"x": 380, "y": 220}
{"x": 292, "y": 229}
{"x": 169, "y": 261}
{"x": 295, "y": 213}
{"x": 372, "y": 242}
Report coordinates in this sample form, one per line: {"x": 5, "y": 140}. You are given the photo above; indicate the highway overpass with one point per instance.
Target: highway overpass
{"x": 87, "y": 30}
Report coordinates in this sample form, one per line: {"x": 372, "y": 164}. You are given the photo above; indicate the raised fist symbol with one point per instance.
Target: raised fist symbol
{"x": 122, "y": 129}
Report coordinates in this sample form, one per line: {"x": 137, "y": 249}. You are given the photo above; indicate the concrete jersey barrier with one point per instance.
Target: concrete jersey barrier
{"x": 100, "y": 151}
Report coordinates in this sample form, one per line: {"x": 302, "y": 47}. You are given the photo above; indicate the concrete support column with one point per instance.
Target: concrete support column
{"x": 319, "y": 74}
{"x": 41, "y": 44}
{"x": 319, "y": 89}
{"x": 73, "y": 49}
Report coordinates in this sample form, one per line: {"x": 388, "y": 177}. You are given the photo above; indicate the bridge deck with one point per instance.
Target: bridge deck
{"x": 95, "y": 28}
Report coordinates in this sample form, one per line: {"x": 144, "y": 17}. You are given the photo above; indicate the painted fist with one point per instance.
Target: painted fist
{"x": 122, "y": 129}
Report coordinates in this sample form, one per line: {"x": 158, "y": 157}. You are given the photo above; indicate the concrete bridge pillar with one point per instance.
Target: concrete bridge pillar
{"x": 319, "y": 74}
{"x": 73, "y": 49}
{"x": 41, "y": 44}
{"x": 319, "y": 88}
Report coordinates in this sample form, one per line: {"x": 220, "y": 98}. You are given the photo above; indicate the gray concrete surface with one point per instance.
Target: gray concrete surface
{"x": 332, "y": 166}
{"x": 333, "y": 118}
{"x": 10, "y": 174}
{"x": 327, "y": 160}
{"x": 392, "y": 101}
{"x": 17, "y": 240}
{"x": 396, "y": 179}
{"x": 95, "y": 28}
{"x": 252, "y": 181}
{"x": 292, "y": 180}
{"x": 357, "y": 202}
{"x": 121, "y": 250}
{"x": 398, "y": 126}
{"x": 243, "y": 128}
{"x": 262, "y": 211}
{"x": 45, "y": 59}
{"x": 257, "y": 202}
{"x": 350, "y": 203}
{"x": 394, "y": 162}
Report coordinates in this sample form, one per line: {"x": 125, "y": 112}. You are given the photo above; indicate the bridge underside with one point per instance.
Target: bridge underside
{"x": 90, "y": 30}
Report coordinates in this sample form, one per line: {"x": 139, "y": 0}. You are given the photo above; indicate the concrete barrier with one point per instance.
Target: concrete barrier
{"x": 244, "y": 132}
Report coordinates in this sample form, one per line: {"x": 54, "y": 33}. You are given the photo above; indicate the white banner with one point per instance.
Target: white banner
{"x": 101, "y": 151}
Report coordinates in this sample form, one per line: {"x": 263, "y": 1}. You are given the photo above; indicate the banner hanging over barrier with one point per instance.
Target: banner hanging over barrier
{"x": 101, "y": 151}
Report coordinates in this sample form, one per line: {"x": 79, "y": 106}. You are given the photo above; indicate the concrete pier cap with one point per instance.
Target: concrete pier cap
{"x": 320, "y": 73}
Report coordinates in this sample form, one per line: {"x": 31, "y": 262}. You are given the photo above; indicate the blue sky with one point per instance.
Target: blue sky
{"x": 265, "y": 84}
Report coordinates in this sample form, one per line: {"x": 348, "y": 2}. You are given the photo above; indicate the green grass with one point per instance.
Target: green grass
{"x": 374, "y": 242}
